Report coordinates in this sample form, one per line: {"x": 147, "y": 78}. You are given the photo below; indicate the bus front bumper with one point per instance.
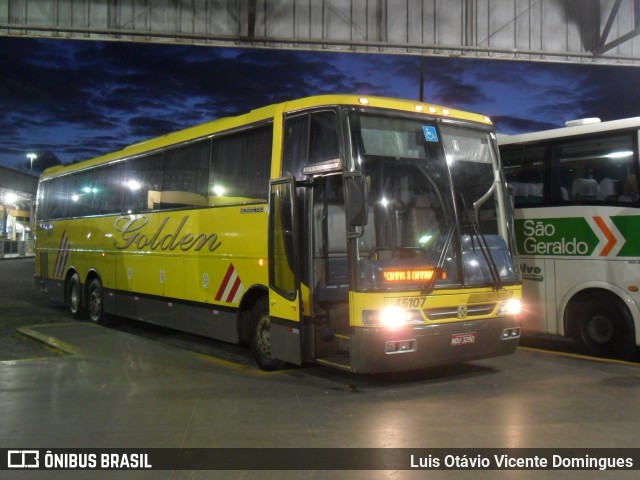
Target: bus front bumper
{"x": 379, "y": 350}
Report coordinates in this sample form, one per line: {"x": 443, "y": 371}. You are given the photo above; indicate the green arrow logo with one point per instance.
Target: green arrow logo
{"x": 578, "y": 236}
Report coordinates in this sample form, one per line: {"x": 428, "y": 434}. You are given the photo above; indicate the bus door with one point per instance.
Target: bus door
{"x": 538, "y": 287}
{"x": 336, "y": 200}
{"x": 330, "y": 278}
{"x": 284, "y": 273}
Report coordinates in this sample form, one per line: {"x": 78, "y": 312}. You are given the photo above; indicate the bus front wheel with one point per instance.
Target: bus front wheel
{"x": 260, "y": 336}
{"x": 603, "y": 326}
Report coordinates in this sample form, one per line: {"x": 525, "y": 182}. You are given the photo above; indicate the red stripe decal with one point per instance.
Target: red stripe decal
{"x": 227, "y": 276}
{"x": 234, "y": 289}
{"x": 63, "y": 255}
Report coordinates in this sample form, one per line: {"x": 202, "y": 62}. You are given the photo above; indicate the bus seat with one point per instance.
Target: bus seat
{"x": 336, "y": 229}
{"x": 535, "y": 192}
{"x": 607, "y": 189}
{"x": 629, "y": 189}
{"x": 520, "y": 192}
{"x": 584, "y": 189}
{"x": 420, "y": 220}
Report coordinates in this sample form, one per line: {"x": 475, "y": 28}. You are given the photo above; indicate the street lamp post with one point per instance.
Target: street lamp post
{"x": 32, "y": 157}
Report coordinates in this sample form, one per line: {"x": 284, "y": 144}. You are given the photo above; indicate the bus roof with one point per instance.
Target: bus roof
{"x": 264, "y": 114}
{"x": 590, "y": 128}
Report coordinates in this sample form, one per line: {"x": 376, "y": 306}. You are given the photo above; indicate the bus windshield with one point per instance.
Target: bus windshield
{"x": 435, "y": 214}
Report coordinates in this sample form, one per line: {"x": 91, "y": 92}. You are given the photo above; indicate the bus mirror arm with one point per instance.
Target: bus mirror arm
{"x": 356, "y": 201}
{"x": 478, "y": 204}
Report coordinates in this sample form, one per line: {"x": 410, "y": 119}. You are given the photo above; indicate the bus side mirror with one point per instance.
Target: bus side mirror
{"x": 356, "y": 196}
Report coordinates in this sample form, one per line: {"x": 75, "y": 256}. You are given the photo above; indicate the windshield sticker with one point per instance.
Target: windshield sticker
{"x": 430, "y": 134}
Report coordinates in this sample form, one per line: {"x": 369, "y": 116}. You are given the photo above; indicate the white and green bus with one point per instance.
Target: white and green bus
{"x": 577, "y": 221}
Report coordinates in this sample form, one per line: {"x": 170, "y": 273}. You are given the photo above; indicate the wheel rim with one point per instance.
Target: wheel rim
{"x": 74, "y": 297}
{"x": 600, "y": 330}
{"x": 95, "y": 304}
{"x": 263, "y": 335}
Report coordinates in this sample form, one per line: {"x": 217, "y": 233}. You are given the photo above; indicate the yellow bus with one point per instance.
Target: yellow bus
{"x": 369, "y": 234}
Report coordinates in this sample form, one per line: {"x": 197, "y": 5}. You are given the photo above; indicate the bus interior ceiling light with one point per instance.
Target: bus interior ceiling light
{"x": 623, "y": 154}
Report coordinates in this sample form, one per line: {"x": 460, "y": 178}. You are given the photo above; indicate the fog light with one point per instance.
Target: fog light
{"x": 510, "y": 333}
{"x": 400, "y": 346}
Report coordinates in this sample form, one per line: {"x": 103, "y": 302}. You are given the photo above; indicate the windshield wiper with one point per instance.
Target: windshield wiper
{"x": 430, "y": 284}
{"x": 482, "y": 241}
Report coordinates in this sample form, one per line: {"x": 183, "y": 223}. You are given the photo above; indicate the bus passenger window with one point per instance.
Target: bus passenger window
{"x": 524, "y": 169}
{"x": 185, "y": 171}
{"x": 597, "y": 170}
{"x": 240, "y": 167}
{"x": 80, "y": 193}
{"x": 323, "y": 137}
{"x": 107, "y": 189}
{"x": 142, "y": 184}
{"x": 296, "y": 146}
{"x": 309, "y": 138}
{"x": 57, "y": 197}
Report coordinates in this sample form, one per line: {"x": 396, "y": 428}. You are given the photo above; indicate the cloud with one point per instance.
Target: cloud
{"x": 455, "y": 82}
{"x": 510, "y": 125}
{"x": 82, "y": 99}
{"x": 64, "y": 93}
{"x": 610, "y": 93}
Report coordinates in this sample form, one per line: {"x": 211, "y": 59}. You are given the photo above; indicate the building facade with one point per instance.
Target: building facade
{"x": 17, "y": 202}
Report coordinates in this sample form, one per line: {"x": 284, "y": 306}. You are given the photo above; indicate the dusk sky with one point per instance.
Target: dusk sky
{"x": 72, "y": 100}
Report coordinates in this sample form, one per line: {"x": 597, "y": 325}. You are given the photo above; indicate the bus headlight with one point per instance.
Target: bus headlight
{"x": 510, "y": 307}
{"x": 391, "y": 317}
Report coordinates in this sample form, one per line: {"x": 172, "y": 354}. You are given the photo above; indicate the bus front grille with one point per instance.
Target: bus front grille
{"x": 462, "y": 311}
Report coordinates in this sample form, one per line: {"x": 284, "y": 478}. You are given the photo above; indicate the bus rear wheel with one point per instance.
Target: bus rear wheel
{"x": 260, "y": 336}
{"x": 603, "y": 326}
{"x": 74, "y": 297}
{"x": 95, "y": 302}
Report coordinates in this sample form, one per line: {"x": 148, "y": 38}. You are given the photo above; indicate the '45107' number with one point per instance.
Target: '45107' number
{"x": 410, "y": 302}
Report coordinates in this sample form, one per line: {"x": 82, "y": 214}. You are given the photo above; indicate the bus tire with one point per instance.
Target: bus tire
{"x": 603, "y": 326}
{"x": 95, "y": 304}
{"x": 74, "y": 297}
{"x": 260, "y": 338}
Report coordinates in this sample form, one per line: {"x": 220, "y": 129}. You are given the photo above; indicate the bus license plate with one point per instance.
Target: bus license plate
{"x": 463, "y": 339}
